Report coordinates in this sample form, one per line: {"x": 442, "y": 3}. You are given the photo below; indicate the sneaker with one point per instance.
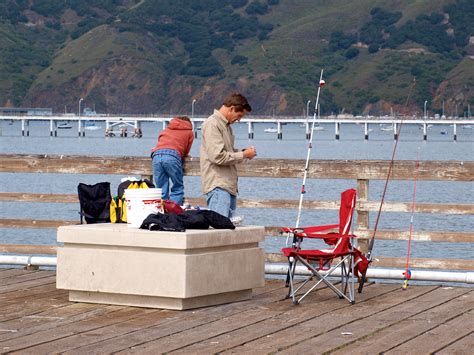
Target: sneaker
{"x": 237, "y": 220}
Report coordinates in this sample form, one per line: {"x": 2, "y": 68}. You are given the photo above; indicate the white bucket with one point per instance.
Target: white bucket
{"x": 140, "y": 203}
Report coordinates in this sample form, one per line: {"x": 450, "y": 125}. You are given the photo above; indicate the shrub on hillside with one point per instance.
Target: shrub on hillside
{"x": 351, "y": 53}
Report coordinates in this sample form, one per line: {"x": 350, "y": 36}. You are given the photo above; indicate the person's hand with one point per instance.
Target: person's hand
{"x": 250, "y": 153}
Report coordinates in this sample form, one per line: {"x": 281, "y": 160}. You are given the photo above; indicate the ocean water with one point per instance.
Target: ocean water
{"x": 439, "y": 146}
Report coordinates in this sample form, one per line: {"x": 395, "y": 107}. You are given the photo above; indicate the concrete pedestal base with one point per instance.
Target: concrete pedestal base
{"x": 114, "y": 264}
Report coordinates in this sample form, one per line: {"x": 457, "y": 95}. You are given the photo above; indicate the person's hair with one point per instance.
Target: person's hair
{"x": 183, "y": 118}
{"x": 238, "y": 101}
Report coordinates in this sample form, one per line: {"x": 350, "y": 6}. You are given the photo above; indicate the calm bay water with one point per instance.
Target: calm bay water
{"x": 293, "y": 146}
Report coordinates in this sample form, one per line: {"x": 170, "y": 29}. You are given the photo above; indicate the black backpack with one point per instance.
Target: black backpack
{"x": 95, "y": 201}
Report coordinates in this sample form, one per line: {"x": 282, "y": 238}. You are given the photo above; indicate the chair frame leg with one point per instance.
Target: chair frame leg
{"x": 347, "y": 279}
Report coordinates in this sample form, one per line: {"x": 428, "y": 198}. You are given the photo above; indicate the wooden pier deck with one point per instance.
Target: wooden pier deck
{"x": 37, "y": 318}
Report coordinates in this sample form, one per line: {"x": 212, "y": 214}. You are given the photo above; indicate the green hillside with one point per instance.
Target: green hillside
{"x": 144, "y": 56}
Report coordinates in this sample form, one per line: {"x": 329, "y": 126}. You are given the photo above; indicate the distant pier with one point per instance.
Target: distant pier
{"x": 131, "y": 125}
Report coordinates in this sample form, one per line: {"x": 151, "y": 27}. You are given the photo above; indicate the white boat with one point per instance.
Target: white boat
{"x": 318, "y": 128}
{"x": 64, "y": 125}
{"x": 91, "y": 126}
{"x": 386, "y": 128}
{"x": 270, "y": 130}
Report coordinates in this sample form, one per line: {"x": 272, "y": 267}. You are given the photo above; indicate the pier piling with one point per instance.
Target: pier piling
{"x": 25, "y": 128}
{"x": 250, "y": 129}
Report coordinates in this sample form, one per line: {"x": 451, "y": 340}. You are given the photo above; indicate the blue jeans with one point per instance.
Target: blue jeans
{"x": 221, "y": 201}
{"x": 168, "y": 165}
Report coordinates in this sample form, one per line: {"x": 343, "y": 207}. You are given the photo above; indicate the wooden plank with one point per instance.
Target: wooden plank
{"x": 459, "y": 346}
{"x": 268, "y": 203}
{"x": 389, "y": 336}
{"x": 440, "y": 208}
{"x": 23, "y": 277}
{"x": 74, "y": 336}
{"x": 107, "y": 316}
{"x": 7, "y": 273}
{"x": 32, "y": 301}
{"x": 425, "y": 263}
{"x": 35, "y": 223}
{"x": 328, "y": 337}
{"x": 32, "y": 197}
{"x": 427, "y": 236}
{"x": 234, "y": 331}
{"x": 433, "y": 236}
{"x": 178, "y": 322}
{"x": 28, "y": 249}
{"x": 41, "y": 317}
{"x": 294, "y": 331}
{"x": 22, "y": 286}
{"x": 282, "y": 168}
{"x": 439, "y": 337}
{"x": 400, "y": 263}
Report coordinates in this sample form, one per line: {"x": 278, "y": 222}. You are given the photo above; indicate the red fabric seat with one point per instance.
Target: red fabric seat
{"x": 322, "y": 263}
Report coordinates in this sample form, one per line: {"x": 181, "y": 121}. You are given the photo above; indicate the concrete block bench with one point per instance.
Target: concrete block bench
{"x": 114, "y": 264}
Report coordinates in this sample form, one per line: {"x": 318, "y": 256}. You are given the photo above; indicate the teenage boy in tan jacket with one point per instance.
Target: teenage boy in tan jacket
{"x": 218, "y": 157}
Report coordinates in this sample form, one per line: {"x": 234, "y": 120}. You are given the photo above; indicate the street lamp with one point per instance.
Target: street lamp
{"x": 80, "y": 100}
{"x": 424, "y": 111}
{"x": 307, "y": 109}
{"x": 192, "y": 108}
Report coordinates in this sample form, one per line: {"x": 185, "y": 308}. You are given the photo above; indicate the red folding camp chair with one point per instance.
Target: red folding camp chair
{"x": 323, "y": 263}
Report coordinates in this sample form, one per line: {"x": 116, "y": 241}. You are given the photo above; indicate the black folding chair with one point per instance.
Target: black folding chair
{"x": 94, "y": 201}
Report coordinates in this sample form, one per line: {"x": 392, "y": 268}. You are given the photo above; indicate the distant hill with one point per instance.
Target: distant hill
{"x": 144, "y": 56}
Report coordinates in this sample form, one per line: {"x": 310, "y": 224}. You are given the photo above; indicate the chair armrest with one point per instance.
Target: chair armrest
{"x": 328, "y": 235}
{"x": 320, "y": 228}
{"x": 305, "y": 230}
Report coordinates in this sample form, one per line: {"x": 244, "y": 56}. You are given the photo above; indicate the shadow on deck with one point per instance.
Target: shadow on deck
{"x": 37, "y": 318}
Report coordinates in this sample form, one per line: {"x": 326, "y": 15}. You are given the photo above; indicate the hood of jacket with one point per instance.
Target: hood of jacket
{"x": 178, "y": 124}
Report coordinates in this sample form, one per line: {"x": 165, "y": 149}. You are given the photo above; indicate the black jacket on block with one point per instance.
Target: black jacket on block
{"x": 196, "y": 219}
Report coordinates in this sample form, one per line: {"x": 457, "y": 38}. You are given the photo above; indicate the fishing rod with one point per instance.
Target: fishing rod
{"x": 310, "y": 145}
{"x": 291, "y": 262}
{"x": 407, "y": 272}
{"x": 390, "y": 166}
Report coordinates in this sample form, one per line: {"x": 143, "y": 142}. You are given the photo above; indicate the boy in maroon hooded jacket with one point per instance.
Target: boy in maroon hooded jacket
{"x": 174, "y": 143}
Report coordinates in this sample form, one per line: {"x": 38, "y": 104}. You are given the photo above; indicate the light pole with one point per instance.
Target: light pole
{"x": 80, "y": 100}
{"x": 307, "y": 109}
{"x": 79, "y": 125}
{"x": 424, "y": 111}
{"x": 192, "y": 118}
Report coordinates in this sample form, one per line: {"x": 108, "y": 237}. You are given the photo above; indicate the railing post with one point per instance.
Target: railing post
{"x": 362, "y": 215}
